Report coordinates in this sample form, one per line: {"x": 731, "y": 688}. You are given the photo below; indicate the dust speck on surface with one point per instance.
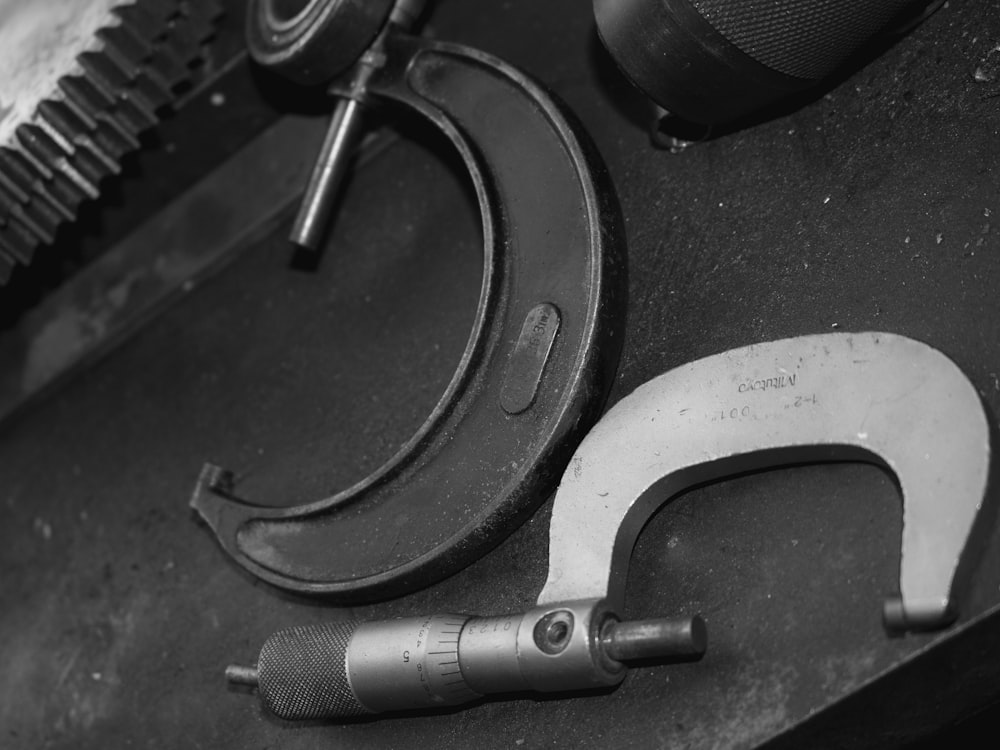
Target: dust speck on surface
{"x": 988, "y": 69}
{"x": 43, "y": 528}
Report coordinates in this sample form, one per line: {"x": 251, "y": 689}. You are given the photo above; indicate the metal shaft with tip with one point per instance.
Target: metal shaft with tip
{"x": 342, "y": 139}
{"x": 345, "y": 669}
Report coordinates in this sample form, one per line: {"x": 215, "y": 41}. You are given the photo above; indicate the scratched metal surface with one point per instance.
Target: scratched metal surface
{"x": 872, "y": 207}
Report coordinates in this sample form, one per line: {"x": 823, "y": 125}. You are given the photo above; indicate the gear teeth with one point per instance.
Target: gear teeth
{"x": 28, "y": 181}
{"x": 89, "y": 97}
{"x": 169, "y": 59}
{"x": 161, "y": 11}
{"x": 21, "y": 170}
{"x": 99, "y": 103}
{"x": 95, "y": 116}
{"x": 88, "y": 101}
{"x": 115, "y": 86}
{"x": 93, "y": 166}
{"x": 40, "y": 221}
{"x": 203, "y": 17}
{"x": 17, "y": 242}
{"x": 62, "y": 192}
{"x": 125, "y": 43}
{"x": 112, "y": 139}
{"x": 40, "y": 184}
{"x": 152, "y": 88}
{"x": 80, "y": 133}
{"x": 130, "y": 64}
{"x": 47, "y": 151}
{"x": 11, "y": 187}
{"x": 139, "y": 23}
{"x": 209, "y": 10}
{"x": 36, "y": 233}
{"x": 169, "y": 66}
{"x": 130, "y": 57}
{"x": 183, "y": 40}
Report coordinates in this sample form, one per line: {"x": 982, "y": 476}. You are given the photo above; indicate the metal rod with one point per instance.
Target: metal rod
{"x": 684, "y": 638}
{"x": 341, "y": 141}
{"x": 239, "y": 675}
{"x": 342, "y": 138}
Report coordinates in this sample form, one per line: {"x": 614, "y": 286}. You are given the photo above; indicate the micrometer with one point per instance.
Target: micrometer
{"x": 874, "y": 397}
{"x": 543, "y": 347}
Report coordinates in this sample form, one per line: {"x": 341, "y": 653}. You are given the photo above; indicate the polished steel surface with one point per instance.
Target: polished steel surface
{"x": 867, "y": 396}
{"x": 342, "y": 138}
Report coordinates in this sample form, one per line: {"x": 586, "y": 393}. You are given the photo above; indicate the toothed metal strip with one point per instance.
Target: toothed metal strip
{"x": 94, "y": 115}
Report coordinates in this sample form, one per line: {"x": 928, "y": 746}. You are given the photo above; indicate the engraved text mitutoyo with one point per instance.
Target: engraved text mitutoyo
{"x": 767, "y": 384}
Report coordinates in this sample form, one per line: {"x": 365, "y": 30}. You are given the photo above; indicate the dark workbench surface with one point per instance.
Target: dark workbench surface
{"x": 871, "y": 207}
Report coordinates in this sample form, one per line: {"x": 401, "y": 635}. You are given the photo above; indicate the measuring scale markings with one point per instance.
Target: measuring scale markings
{"x": 447, "y": 662}
{"x": 443, "y": 679}
{"x": 414, "y": 664}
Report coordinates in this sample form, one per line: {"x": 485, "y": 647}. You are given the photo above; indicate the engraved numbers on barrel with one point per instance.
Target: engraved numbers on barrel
{"x": 440, "y": 672}
{"x": 484, "y": 626}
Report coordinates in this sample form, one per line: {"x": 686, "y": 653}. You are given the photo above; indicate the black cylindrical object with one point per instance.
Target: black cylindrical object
{"x": 714, "y": 61}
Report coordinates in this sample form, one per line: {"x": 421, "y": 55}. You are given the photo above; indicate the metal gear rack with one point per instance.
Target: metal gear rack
{"x": 84, "y": 81}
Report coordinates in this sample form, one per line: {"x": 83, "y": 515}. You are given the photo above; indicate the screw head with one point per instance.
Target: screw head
{"x": 554, "y": 631}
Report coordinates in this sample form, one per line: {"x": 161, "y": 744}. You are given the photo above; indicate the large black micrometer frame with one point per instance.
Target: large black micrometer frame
{"x": 535, "y": 371}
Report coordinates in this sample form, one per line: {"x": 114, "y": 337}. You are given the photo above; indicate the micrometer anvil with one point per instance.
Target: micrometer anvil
{"x": 843, "y": 396}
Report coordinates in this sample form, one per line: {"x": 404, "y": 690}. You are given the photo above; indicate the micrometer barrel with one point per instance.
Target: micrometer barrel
{"x": 347, "y": 669}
